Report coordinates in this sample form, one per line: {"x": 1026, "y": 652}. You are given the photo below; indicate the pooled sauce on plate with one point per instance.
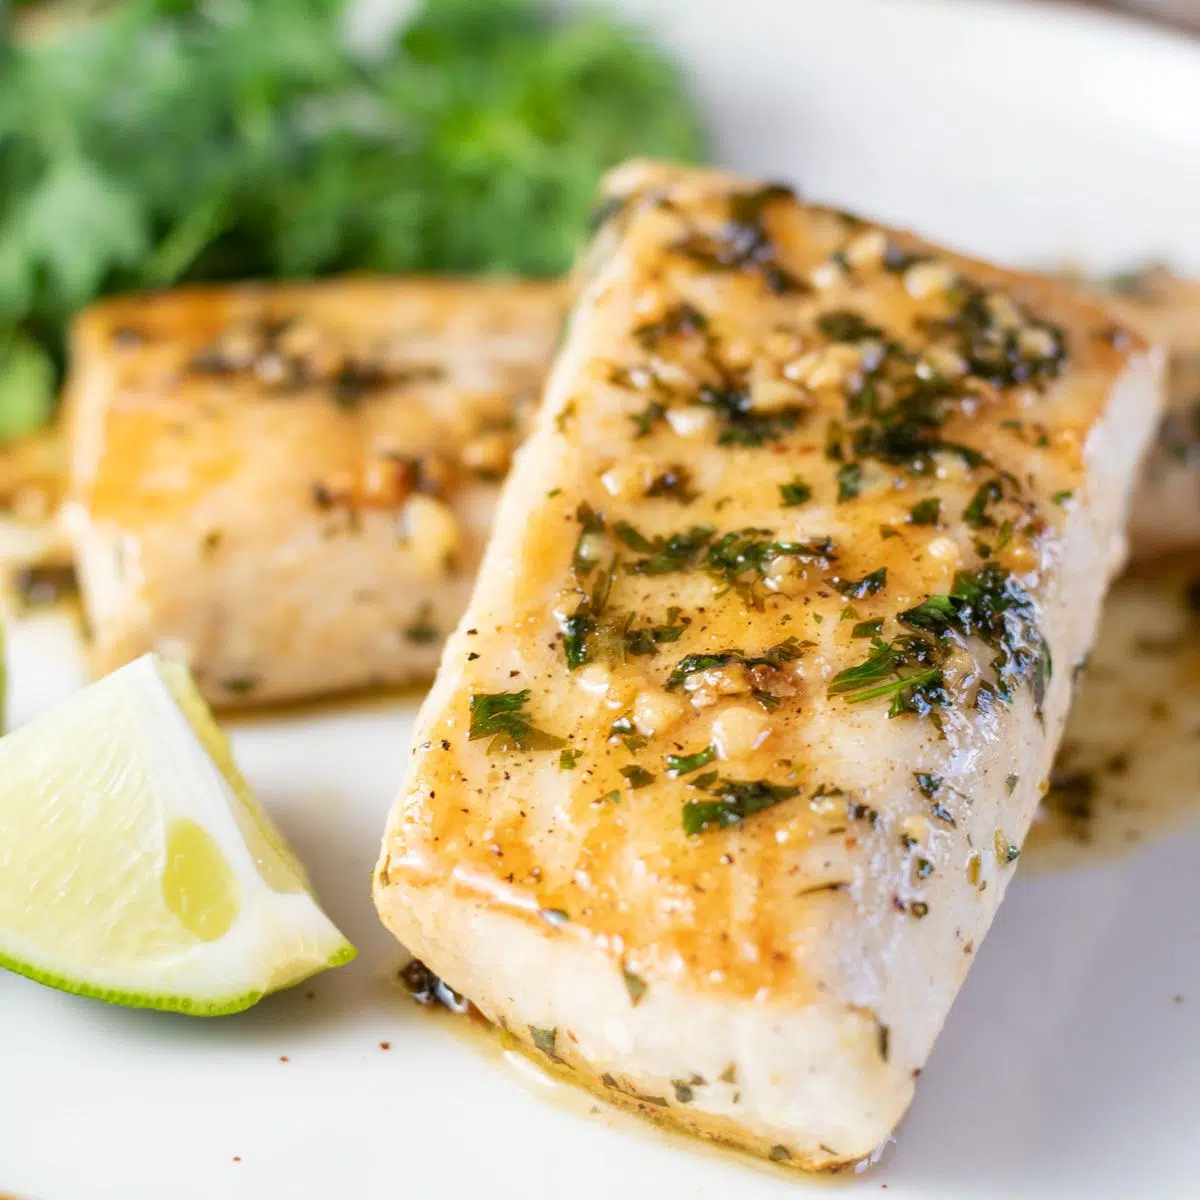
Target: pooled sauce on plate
{"x": 1128, "y": 770}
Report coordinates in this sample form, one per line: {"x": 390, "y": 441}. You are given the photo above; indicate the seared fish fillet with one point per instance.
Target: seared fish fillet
{"x": 726, "y": 766}
{"x": 1166, "y": 506}
{"x": 290, "y": 487}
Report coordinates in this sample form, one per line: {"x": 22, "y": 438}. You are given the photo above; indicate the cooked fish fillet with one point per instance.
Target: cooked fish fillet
{"x": 290, "y": 486}
{"x": 726, "y": 766}
{"x": 1166, "y": 507}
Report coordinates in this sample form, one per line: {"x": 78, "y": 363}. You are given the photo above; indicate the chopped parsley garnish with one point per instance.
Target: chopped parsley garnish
{"x": 651, "y": 415}
{"x": 590, "y": 521}
{"x": 594, "y": 633}
{"x": 685, "y": 764}
{"x": 638, "y": 777}
{"x": 734, "y": 801}
{"x": 742, "y": 551}
{"x": 567, "y": 760}
{"x": 680, "y": 320}
{"x": 844, "y": 325}
{"x": 635, "y": 985}
{"x": 927, "y": 784}
{"x": 742, "y": 423}
{"x": 1006, "y": 851}
{"x": 902, "y": 670}
{"x": 673, "y": 483}
{"x": 546, "y": 1040}
{"x": 926, "y": 512}
{"x": 998, "y": 353}
{"x": 743, "y": 243}
{"x": 501, "y": 716}
{"x": 867, "y": 628}
{"x": 990, "y": 604}
{"x": 976, "y": 512}
{"x": 769, "y": 660}
{"x": 795, "y": 493}
{"x": 676, "y": 552}
{"x": 849, "y": 481}
{"x": 868, "y": 585}
{"x": 1061, "y": 498}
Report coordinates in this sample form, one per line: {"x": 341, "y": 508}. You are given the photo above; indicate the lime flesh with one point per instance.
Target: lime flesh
{"x": 136, "y": 865}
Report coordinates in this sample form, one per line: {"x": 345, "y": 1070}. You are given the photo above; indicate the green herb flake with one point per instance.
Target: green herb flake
{"x": 928, "y": 785}
{"x": 645, "y": 420}
{"x": 635, "y": 985}
{"x": 849, "y": 481}
{"x": 1011, "y": 782}
{"x": 674, "y": 482}
{"x": 674, "y": 552}
{"x": 568, "y": 759}
{"x": 501, "y": 716}
{"x": 867, "y": 628}
{"x": 844, "y": 325}
{"x": 1006, "y": 851}
{"x": 795, "y": 493}
{"x": 590, "y": 522}
{"x": 685, "y": 764}
{"x": 926, "y": 512}
{"x": 683, "y": 1091}
{"x": 638, "y": 777}
{"x": 991, "y": 605}
{"x": 613, "y": 797}
{"x": 546, "y": 1040}
{"x": 900, "y": 670}
{"x": 868, "y": 585}
{"x": 735, "y": 801}
{"x": 1061, "y": 498}
{"x": 774, "y": 657}
{"x": 779, "y": 1154}
{"x": 976, "y": 512}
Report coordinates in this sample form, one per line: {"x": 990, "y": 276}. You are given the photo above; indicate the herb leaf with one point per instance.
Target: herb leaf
{"x": 735, "y": 801}
{"x": 501, "y": 716}
{"x": 795, "y": 493}
{"x": 254, "y": 142}
{"x": 685, "y": 764}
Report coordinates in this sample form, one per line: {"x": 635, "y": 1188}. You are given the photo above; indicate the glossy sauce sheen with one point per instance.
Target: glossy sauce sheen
{"x": 1128, "y": 770}
{"x": 290, "y": 486}
{"x": 732, "y": 479}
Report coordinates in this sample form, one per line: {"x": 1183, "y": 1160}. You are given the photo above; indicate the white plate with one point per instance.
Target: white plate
{"x": 1067, "y": 1067}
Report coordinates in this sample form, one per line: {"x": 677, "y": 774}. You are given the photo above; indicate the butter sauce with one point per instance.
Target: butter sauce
{"x": 1128, "y": 770}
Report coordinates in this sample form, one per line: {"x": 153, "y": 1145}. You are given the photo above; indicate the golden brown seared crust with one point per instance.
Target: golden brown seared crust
{"x": 768, "y": 657}
{"x": 291, "y": 485}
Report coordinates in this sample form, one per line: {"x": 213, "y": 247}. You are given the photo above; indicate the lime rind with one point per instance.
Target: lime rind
{"x": 187, "y": 1005}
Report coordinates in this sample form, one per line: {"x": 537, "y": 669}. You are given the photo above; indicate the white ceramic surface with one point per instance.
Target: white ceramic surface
{"x": 1068, "y": 1067}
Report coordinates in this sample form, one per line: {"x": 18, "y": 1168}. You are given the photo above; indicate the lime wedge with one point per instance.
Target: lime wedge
{"x": 136, "y": 865}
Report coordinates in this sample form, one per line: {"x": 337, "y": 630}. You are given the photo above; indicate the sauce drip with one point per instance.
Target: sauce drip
{"x": 1128, "y": 770}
